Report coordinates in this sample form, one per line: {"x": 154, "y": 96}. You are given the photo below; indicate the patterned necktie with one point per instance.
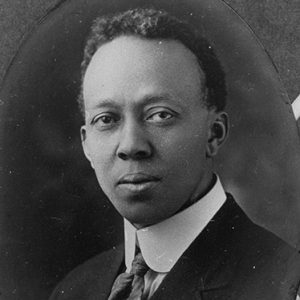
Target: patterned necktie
{"x": 130, "y": 286}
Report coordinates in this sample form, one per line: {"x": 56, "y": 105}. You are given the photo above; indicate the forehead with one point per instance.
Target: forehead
{"x": 130, "y": 63}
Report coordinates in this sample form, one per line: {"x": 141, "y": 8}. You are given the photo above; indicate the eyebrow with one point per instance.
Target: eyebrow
{"x": 105, "y": 103}
{"x": 149, "y": 99}
{"x": 146, "y": 99}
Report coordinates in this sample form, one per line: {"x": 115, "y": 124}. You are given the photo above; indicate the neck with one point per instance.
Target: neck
{"x": 198, "y": 195}
{"x": 202, "y": 189}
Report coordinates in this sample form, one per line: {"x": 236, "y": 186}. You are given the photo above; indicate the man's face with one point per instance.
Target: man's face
{"x": 147, "y": 128}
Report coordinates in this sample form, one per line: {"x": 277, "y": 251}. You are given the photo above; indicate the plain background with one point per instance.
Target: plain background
{"x": 33, "y": 273}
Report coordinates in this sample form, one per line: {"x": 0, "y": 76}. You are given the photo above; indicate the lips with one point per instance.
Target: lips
{"x": 137, "y": 178}
{"x": 137, "y": 182}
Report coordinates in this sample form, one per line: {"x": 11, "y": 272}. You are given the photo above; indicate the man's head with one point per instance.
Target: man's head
{"x": 159, "y": 25}
{"x": 153, "y": 95}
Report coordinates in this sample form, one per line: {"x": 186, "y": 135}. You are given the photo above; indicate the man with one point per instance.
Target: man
{"x": 153, "y": 94}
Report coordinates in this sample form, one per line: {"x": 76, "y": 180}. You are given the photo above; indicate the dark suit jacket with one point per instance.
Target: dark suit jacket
{"x": 231, "y": 259}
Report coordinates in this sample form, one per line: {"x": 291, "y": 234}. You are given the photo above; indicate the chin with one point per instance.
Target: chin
{"x": 139, "y": 218}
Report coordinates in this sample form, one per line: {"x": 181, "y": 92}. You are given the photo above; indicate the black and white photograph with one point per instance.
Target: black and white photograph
{"x": 149, "y": 149}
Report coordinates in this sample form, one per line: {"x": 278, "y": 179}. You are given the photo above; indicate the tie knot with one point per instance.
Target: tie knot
{"x": 139, "y": 266}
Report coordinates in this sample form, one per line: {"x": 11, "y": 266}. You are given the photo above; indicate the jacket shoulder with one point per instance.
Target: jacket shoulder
{"x": 84, "y": 281}
{"x": 266, "y": 263}
{"x": 252, "y": 237}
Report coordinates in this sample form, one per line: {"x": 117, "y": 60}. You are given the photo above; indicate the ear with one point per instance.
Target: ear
{"x": 85, "y": 145}
{"x": 218, "y": 132}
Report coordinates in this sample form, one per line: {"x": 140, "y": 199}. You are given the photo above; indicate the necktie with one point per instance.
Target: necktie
{"x": 130, "y": 286}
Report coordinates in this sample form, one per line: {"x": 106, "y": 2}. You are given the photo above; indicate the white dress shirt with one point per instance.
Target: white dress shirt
{"x": 296, "y": 108}
{"x": 163, "y": 243}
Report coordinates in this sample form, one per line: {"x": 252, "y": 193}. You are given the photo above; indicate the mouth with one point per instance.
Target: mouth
{"x": 138, "y": 182}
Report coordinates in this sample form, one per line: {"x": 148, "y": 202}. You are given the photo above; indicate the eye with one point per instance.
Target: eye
{"x": 160, "y": 116}
{"x": 105, "y": 120}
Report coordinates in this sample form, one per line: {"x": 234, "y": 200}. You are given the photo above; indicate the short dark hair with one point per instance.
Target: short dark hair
{"x": 150, "y": 23}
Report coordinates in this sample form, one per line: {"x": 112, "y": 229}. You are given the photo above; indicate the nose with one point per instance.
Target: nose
{"x": 134, "y": 143}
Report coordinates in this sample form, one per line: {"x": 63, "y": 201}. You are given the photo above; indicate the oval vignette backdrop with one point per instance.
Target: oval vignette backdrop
{"x": 54, "y": 215}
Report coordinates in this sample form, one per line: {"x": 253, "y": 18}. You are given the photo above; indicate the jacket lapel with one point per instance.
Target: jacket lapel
{"x": 208, "y": 264}
{"x": 111, "y": 265}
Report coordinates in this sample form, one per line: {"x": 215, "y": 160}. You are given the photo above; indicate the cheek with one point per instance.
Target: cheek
{"x": 103, "y": 171}
{"x": 100, "y": 154}
{"x": 183, "y": 148}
